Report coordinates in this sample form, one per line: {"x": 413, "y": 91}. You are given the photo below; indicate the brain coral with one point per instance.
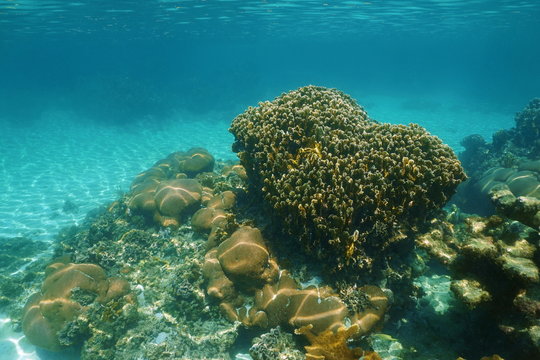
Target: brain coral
{"x": 343, "y": 184}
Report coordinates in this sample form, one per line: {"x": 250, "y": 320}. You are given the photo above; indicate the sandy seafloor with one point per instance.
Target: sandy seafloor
{"x": 59, "y": 159}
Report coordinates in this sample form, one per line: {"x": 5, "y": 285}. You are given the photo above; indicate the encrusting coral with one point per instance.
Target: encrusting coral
{"x": 49, "y": 311}
{"x": 345, "y": 186}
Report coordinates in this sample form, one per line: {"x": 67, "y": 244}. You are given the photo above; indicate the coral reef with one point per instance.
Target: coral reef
{"x": 49, "y": 311}
{"x": 167, "y": 314}
{"x": 508, "y": 147}
{"x": 511, "y": 159}
{"x": 345, "y": 186}
{"x": 527, "y": 130}
{"x": 171, "y": 317}
{"x": 242, "y": 264}
{"x": 511, "y": 192}
{"x": 495, "y": 270}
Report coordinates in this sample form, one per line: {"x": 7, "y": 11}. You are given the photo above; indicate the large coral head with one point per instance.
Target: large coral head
{"x": 344, "y": 185}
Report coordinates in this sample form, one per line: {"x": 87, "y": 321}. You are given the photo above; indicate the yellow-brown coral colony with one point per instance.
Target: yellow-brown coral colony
{"x": 48, "y": 311}
{"x": 341, "y": 183}
{"x": 241, "y": 265}
{"x": 163, "y": 193}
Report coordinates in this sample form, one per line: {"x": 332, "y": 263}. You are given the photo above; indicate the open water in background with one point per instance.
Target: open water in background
{"x": 118, "y": 61}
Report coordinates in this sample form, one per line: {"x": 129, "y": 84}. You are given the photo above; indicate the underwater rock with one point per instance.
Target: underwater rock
{"x": 519, "y": 267}
{"x": 345, "y": 186}
{"x": 47, "y": 312}
{"x": 525, "y": 209}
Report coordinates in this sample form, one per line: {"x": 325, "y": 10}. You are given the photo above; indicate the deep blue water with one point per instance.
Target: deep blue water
{"x": 117, "y": 61}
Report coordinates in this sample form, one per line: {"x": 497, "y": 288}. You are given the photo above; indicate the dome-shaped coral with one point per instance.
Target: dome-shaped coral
{"x": 48, "y": 311}
{"x": 163, "y": 194}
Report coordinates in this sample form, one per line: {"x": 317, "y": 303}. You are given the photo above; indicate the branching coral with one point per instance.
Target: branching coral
{"x": 341, "y": 183}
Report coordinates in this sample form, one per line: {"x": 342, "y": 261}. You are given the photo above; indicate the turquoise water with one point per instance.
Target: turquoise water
{"x": 94, "y": 92}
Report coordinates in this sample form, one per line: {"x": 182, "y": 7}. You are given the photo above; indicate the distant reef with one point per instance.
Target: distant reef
{"x": 314, "y": 246}
{"x": 504, "y": 175}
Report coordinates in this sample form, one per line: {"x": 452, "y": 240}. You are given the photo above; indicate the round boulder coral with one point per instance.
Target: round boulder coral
{"x": 48, "y": 311}
{"x": 245, "y": 258}
{"x": 344, "y": 185}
